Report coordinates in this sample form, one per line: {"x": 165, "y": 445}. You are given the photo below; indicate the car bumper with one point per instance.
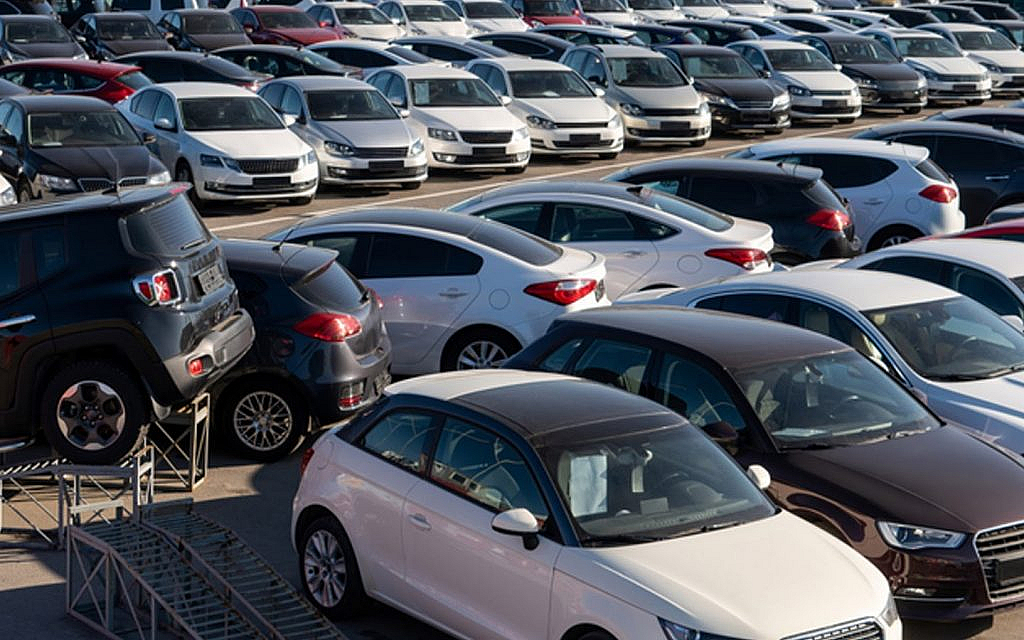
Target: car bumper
{"x": 940, "y": 89}
{"x": 824, "y": 108}
{"x": 1007, "y": 83}
{"x": 668, "y": 129}
{"x": 463, "y": 155}
{"x": 223, "y": 346}
{"x": 886, "y": 98}
{"x": 347, "y": 375}
{"x": 576, "y": 140}
{"x": 744, "y": 119}
{"x": 224, "y": 184}
{"x": 338, "y": 170}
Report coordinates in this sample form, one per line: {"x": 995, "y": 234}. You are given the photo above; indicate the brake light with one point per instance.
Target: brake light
{"x": 307, "y": 455}
{"x": 380, "y": 300}
{"x": 329, "y": 327}
{"x": 562, "y": 292}
{"x": 351, "y": 395}
{"x": 196, "y": 367}
{"x": 744, "y": 258}
{"x": 159, "y": 288}
{"x": 939, "y": 193}
{"x": 831, "y": 219}
{"x": 117, "y": 91}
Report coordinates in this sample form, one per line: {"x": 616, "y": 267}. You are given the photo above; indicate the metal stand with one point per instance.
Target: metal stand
{"x": 182, "y": 443}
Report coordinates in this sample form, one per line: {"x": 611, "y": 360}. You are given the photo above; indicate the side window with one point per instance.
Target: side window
{"x": 843, "y": 171}
{"x": 84, "y": 82}
{"x": 351, "y": 250}
{"x": 727, "y": 195}
{"x": 144, "y": 104}
{"x": 769, "y": 307}
{"x": 583, "y": 223}
{"x": 49, "y": 249}
{"x": 395, "y": 91}
{"x": 521, "y": 47}
{"x": 291, "y": 103}
{"x": 484, "y": 72}
{"x": 921, "y": 268}
{"x": 497, "y": 82}
{"x": 521, "y": 216}
{"x": 401, "y": 256}
{"x": 691, "y": 390}
{"x": 619, "y": 364}
{"x": 557, "y": 360}
{"x": 165, "y": 109}
{"x": 11, "y": 276}
{"x": 456, "y": 7}
{"x": 5, "y": 112}
{"x": 666, "y": 185}
{"x": 829, "y": 322}
{"x": 593, "y": 70}
{"x": 985, "y": 289}
{"x": 486, "y": 469}
{"x": 575, "y": 61}
{"x": 818, "y": 44}
{"x": 754, "y": 57}
{"x": 401, "y": 438}
{"x": 272, "y": 94}
{"x": 15, "y": 125}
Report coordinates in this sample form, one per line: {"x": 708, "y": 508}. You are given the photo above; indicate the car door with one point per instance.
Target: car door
{"x": 10, "y": 147}
{"x": 461, "y": 574}
{"x": 168, "y": 136}
{"x": 981, "y": 168}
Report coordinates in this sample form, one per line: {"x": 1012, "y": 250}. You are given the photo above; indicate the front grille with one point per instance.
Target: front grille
{"x": 485, "y": 159}
{"x": 829, "y": 110}
{"x": 102, "y": 184}
{"x": 906, "y": 85}
{"x": 754, "y": 104}
{"x": 381, "y": 174}
{"x": 582, "y": 144}
{"x": 581, "y": 125}
{"x": 381, "y": 152}
{"x": 486, "y": 137}
{"x": 1000, "y": 546}
{"x": 1012, "y": 70}
{"x": 257, "y": 167}
{"x": 961, "y": 78}
{"x": 842, "y": 92}
{"x": 671, "y": 112}
{"x": 858, "y": 630}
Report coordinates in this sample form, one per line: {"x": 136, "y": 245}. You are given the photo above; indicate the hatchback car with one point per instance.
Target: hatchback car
{"x": 282, "y": 61}
{"x": 459, "y": 292}
{"x": 1013, "y": 30}
{"x": 814, "y": 24}
{"x": 363, "y": 57}
{"x": 281, "y": 25}
{"x": 909, "y": 18}
{"x": 202, "y": 30}
{"x": 622, "y": 519}
{"x": 108, "y": 35}
{"x": 190, "y": 66}
{"x": 531, "y": 44}
{"x": 360, "y": 19}
{"x": 1002, "y": 58}
{"x": 948, "y": 12}
{"x": 657, "y": 103}
{"x": 652, "y": 34}
{"x": 425, "y": 18}
{"x": 488, "y": 15}
{"x": 538, "y": 12}
{"x": 763, "y": 27}
{"x": 26, "y": 37}
{"x": 105, "y": 80}
{"x": 1006, "y": 118}
{"x": 990, "y": 10}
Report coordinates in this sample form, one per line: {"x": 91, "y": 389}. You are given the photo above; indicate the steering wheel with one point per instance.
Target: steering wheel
{"x": 670, "y": 479}
{"x": 698, "y": 414}
{"x": 960, "y": 347}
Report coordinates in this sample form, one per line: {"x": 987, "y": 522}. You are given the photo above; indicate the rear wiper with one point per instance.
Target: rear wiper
{"x": 190, "y": 245}
{"x": 621, "y": 538}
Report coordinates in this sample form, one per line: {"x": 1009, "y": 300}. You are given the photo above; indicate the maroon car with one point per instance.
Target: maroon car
{"x": 109, "y": 81}
{"x": 540, "y": 12}
{"x": 1012, "y": 229}
{"x": 282, "y": 25}
{"x": 935, "y": 507}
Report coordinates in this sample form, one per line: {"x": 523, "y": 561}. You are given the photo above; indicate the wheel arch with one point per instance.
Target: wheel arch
{"x": 308, "y": 515}
{"x": 878, "y": 236}
{"x": 578, "y": 631}
{"x": 478, "y": 327}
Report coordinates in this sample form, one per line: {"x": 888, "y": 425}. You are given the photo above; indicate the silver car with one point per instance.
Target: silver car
{"x": 359, "y": 137}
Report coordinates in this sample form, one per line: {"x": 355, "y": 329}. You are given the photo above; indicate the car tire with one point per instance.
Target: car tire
{"x": 608, "y": 156}
{"x": 911, "y": 110}
{"x": 699, "y": 143}
{"x": 183, "y": 173}
{"x": 411, "y": 186}
{"x": 301, "y": 202}
{"x": 324, "y": 545}
{"x": 514, "y": 170}
{"x": 24, "y": 193}
{"x": 596, "y": 635}
{"x": 479, "y": 349}
{"x": 975, "y": 102}
{"x": 93, "y": 404}
{"x": 262, "y": 418}
{"x": 847, "y": 120}
{"x": 891, "y": 236}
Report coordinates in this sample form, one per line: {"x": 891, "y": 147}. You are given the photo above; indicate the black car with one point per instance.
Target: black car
{"x": 127, "y": 313}
{"x": 365, "y": 56}
{"x": 457, "y": 51}
{"x": 26, "y": 36}
{"x": 186, "y": 66}
{"x": 885, "y": 81}
{"x": 740, "y": 99}
{"x": 1012, "y": 29}
{"x": 909, "y": 18}
{"x": 108, "y": 35}
{"x": 321, "y": 350}
{"x": 946, "y": 12}
{"x": 652, "y": 34}
{"x": 990, "y": 10}
{"x": 580, "y": 34}
{"x": 1009, "y": 119}
{"x": 531, "y": 44}
{"x": 809, "y": 219}
{"x": 61, "y": 145}
{"x": 987, "y": 164}
{"x": 716, "y": 32}
{"x": 281, "y": 61}
{"x": 202, "y": 29}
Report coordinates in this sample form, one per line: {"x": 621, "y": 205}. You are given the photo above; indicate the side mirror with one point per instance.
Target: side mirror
{"x": 164, "y": 123}
{"x": 505, "y": 100}
{"x": 838, "y": 67}
{"x": 289, "y": 119}
{"x": 396, "y": 21}
{"x": 519, "y": 522}
{"x": 760, "y": 476}
{"x": 404, "y": 113}
{"x": 599, "y": 92}
{"x": 596, "y": 80}
{"x": 247, "y": 28}
{"x": 7, "y": 140}
{"x": 148, "y": 138}
{"x": 168, "y": 36}
{"x": 398, "y": 104}
{"x": 764, "y": 73}
{"x": 1014, "y": 321}
{"x": 724, "y": 434}
{"x": 324, "y": 24}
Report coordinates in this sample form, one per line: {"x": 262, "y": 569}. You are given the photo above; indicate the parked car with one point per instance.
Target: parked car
{"x": 452, "y": 49}
{"x": 895, "y": 192}
{"x": 716, "y": 32}
{"x": 796, "y": 6}
{"x": 763, "y": 27}
{"x": 606, "y": 13}
{"x": 564, "y": 115}
{"x": 1009, "y": 119}
{"x": 819, "y": 24}
{"x": 657, "y": 103}
{"x": 488, "y": 15}
{"x": 1013, "y": 30}
{"x": 591, "y": 34}
{"x": 1000, "y": 228}
{"x": 701, "y": 9}
{"x": 652, "y": 34}
{"x": 818, "y": 91}
{"x": 224, "y": 140}
{"x": 139, "y": 332}
{"x": 556, "y": 493}
{"x": 862, "y": 19}
{"x": 909, "y": 18}
{"x": 282, "y": 61}
{"x": 756, "y": 8}
{"x": 202, "y": 30}
{"x": 846, "y": 445}
{"x": 1003, "y": 60}
{"x": 360, "y": 19}
{"x": 459, "y": 292}
{"x": 106, "y": 80}
{"x": 649, "y": 239}
{"x": 363, "y": 57}
{"x": 808, "y": 218}
{"x": 54, "y": 146}
{"x": 460, "y": 120}
{"x": 990, "y": 10}
{"x": 425, "y": 18}
{"x": 268, "y": 24}
{"x": 987, "y": 164}
{"x": 538, "y": 12}
{"x": 739, "y": 98}
{"x": 949, "y": 12}
{"x": 1008, "y": 212}
{"x": 531, "y": 44}
{"x": 152, "y": 9}
{"x": 321, "y": 352}
{"x": 105, "y": 36}
{"x": 359, "y": 137}
{"x": 35, "y": 36}
{"x": 189, "y": 66}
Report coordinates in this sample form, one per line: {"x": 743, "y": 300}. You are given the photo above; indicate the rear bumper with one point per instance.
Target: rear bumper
{"x": 222, "y": 347}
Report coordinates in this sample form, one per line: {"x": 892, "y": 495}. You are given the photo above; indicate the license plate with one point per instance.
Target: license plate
{"x": 833, "y": 103}
{"x": 675, "y": 126}
{"x": 964, "y": 87}
{"x": 210, "y": 279}
{"x": 281, "y": 181}
{"x": 392, "y": 164}
{"x": 1009, "y": 572}
{"x": 488, "y": 152}
{"x": 585, "y": 138}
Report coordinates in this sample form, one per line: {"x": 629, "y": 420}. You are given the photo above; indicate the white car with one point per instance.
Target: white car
{"x": 458, "y": 292}
{"x": 657, "y": 10}
{"x": 703, "y": 9}
{"x": 564, "y": 114}
{"x": 815, "y": 24}
{"x": 648, "y": 238}
{"x": 515, "y": 505}
{"x": 951, "y": 75}
{"x": 753, "y": 8}
{"x": 369, "y": 55}
{"x": 609, "y": 13}
{"x": 486, "y": 16}
{"x": 764, "y": 27}
{"x": 462, "y": 122}
{"x": 225, "y": 140}
{"x": 796, "y": 6}
{"x": 862, "y": 19}
{"x": 425, "y": 18}
{"x": 817, "y": 89}
{"x": 7, "y": 195}
{"x": 896, "y": 192}
{"x": 962, "y": 359}
{"x": 1002, "y": 58}
{"x": 361, "y": 19}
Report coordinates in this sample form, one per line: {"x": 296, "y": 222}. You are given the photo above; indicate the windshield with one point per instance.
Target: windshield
{"x": 452, "y": 92}
{"x": 861, "y": 51}
{"x": 361, "y": 15}
{"x": 602, "y": 6}
{"x": 645, "y": 72}
{"x": 652, "y": 4}
{"x": 983, "y": 41}
{"x": 952, "y": 340}
{"x": 35, "y": 31}
{"x": 227, "y": 114}
{"x": 349, "y": 104}
{"x": 546, "y": 8}
{"x": 697, "y": 3}
{"x": 286, "y": 20}
{"x": 430, "y": 13}
{"x": 210, "y": 23}
{"x": 718, "y": 67}
{"x": 658, "y": 483}
{"x": 831, "y": 400}
{"x": 483, "y": 10}
{"x": 126, "y": 30}
{"x": 799, "y": 60}
{"x": 80, "y": 129}
{"x": 548, "y": 84}
{"x": 926, "y": 48}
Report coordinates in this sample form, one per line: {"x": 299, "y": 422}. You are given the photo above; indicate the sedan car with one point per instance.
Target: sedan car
{"x": 55, "y": 146}
{"x": 652, "y": 34}
{"x": 454, "y": 50}
{"x": 1009, "y": 119}
{"x": 847, "y": 447}
{"x": 202, "y": 30}
{"x": 425, "y": 18}
{"x": 818, "y": 91}
{"x": 268, "y": 24}
{"x": 281, "y": 61}
{"x": 565, "y": 116}
{"x": 321, "y": 352}
{"x": 360, "y": 19}
{"x": 657, "y": 103}
{"x": 105, "y": 80}
{"x": 458, "y": 292}
{"x": 657, "y": 10}
{"x": 1003, "y": 59}
{"x": 26, "y": 37}
{"x": 486, "y": 16}
{"x": 763, "y": 27}
{"x": 363, "y": 57}
{"x": 716, "y": 32}
{"x": 802, "y": 23}
{"x": 862, "y": 19}
{"x": 649, "y": 239}
{"x": 359, "y": 137}
{"x": 224, "y": 140}
{"x": 620, "y": 518}
{"x": 948, "y": 12}
{"x": 539, "y": 12}
{"x": 591, "y": 34}
{"x": 530, "y": 44}
{"x": 108, "y": 35}
{"x": 190, "y": 66}
{"x": 909, "y": 18}
{"x": 739, "y": 98}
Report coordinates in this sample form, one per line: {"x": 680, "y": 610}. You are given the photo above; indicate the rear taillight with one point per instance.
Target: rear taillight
{"x": 307, "y": 455}
{"x": 116, "y": 91}
{"x": 199, "y": 366}
{"x": 329, "y": 327}
{"x": 380, "y": 300}
{"x": 351, "y": 395}
{"x": 158, "y": 288}
{"x": 939, "y": 193}
{"x": 831, "y": 219}
{"x": 562, "y": 292}
{"x": 744, "y": 258}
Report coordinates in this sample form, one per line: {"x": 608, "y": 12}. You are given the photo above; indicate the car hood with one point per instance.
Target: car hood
{"x": 1014, "y": 58}
{"x": 743, "y": 89}
{"x": 95, "y": 162}
{"x": 707, "y": 13}
{"x": 992, "y": 407}
{"x": 755, "y": 10}
{"x": 658, "y": 97}
{"x": 616, "y": 18}
{"x": 468, "y": 118}
{"x": 367, "y": 133}
{"x": 817, "y": 80}
{"x": 800, "y": 5}
{"x": 442, "y": 28}
{"x": 498, "y": 24}
{"x": 376, "y": 31}
{"x": 46, "y": 49}
{"x": 891, "y": 72}
{"x": 949, "y": 66}
{"x": 705, "y": 580}
{"x": 309, "y": 35}
{"x": 565, "y": 109}
{"x": 214, "y": 41}
{"x": 124, "y": 47}
{"x": 272, "y": 143}
{"x": 661, "y": 15}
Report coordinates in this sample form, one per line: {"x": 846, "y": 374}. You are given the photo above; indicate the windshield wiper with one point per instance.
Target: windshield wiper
{"x": 810, "y": 446}
{"x": 708, "y": 527}
{"x": 619, "y": 538}
{"x": 957, "y": 377}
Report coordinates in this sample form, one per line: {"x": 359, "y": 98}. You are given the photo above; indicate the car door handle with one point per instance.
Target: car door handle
{"x": 16, "y": 321}
{"x": 452, "y": 293}
{"x": 634, "y": 254}
{"x": 874, "y": 201}
{"x": 997, "y": 178}
{"x": 419, "y": 521}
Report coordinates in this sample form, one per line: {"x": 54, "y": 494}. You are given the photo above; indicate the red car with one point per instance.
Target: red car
{"x": 283, "y": 25}
{"x": 538, "y": 12}
{"x": 109, "y": 81}
{"x": 1005, "y": 230}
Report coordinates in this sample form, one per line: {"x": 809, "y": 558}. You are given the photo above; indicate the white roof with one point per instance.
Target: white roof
{"x": 851, "y": 146}
{"x": 453, "y": 384}
{"x": 911, "y": 33}
{"x": 773, "y": 45}
{"x": 205, "y": 90}
{"x": 427, "y": 71}
{"x": 411, "y": 2}
{"x": 350, "y": 44}
{"x": 515, "y": 63}
{"x": 1002, "y": 256}
{"x": 959, "y": 26}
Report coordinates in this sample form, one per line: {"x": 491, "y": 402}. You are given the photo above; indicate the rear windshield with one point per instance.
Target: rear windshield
{"x": 170, "y": 229}
{"x": 516, "y": 243}
{"x": 134, "y": 79}
{"x": 207, "y": 23}
{"x": 332, "y": 288}
{"x": 408, "y": 54}
{"x": 824, "y": 196}
{"x": 929, "y": 169}
{"x": 689, "y": 211}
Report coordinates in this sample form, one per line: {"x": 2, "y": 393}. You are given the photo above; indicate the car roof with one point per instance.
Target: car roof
{"x": 26, "y": 17}
{"x": 33, "y": 103}
{"x": 514, "y": 63}
{"x": 690, "y": 50}
{"x": 194, "y": 56}
{"x": 196, "y": 12}
{"x": 998, "y": 255}
{"x": 948, "y": 126}
{"x": 402, "y": 216}
{"x": 957, "y": 26}
{"x": 753, "y": 168}
{"x": 124, "y": 202}
{"x": 770, "y": 45}
{"x": 416, "y": 71}
{"x": 851, "y": 146}
{"x": 836, "y": 37}
{"x": 625, "y": 51}
{"x": 282, "y": 49}
{"x": 345, "y": 4}
{"x": 376, "y": 45}
{"x": 907, "y": 33}
{"x": 105, "y": 69}
{"x": 1017, "y": 112}
{"x": 616, "y": 190}
{"x": 539, "y": 36}
{"x": 272, "y": 8}
{"x": 450, "y": 40}
{"x": 307, "y": 83}
{"x": 115, "y": 16}
{"x": 204, "y": 90}
{"x": 288, "y": 260}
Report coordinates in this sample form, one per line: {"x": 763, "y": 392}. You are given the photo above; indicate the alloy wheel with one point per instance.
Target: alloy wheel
{"x": 481, "y": 354}
{"x": 90, "y": 415}
{"x": 323, "y": 563}
{"x": 262, "y": 420}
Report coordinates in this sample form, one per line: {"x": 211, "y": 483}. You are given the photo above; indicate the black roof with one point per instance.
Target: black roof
{"x": 731, "y": 166}
{"x": 408, "y": 217}
{"x": 118, "y": 16}
{"x": 836, "y": 37}
{"x": 192, "y": 56}
{"x": 694, "y": 50}
{"x": 657, "y": 28}
{"x": 193, "y": 12}
{"x": 291, "y": 261}
{"x": 126, "y": 202}
{"x": 942, "y": 126}
{"x": 963, "y": 112}
{"x": 33, "y": 103}
{"x": 718, "y": 24}
{"x": 536, "y": 36}
{"x": 1006, "y": 22}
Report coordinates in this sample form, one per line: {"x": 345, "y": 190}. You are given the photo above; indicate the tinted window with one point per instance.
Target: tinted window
{"x": 619, "y": 364}
{"x": 400, "y": 438}
{"x": 931, "y": 170}
{"x": 559, "y": 358}
{"x": 843, "y": 171}
{"x": 400, "y": 256}
{"x": 517, "y": 244}
{"x": 921, "y": 268}
{"x": 985, "y": 289}
{"x": 520, "y": 216}
{"x": 165, "y": 109}
{"x": 731, "y": 195}
{"x": 50, "y": 253}
{"x": 332, "y": 288}
{"x": 764, "y": 306}
{"x": 694, "y": 392}
{"x": 955, "y": 153}
{"x": 144, "y": 104}
{"x": 829, "y": 322}
{"x": 10, "y": 262}
{"x": 522, "y": 47}
{"x": 167, "y": 230}
{"x": 583, "y": 223}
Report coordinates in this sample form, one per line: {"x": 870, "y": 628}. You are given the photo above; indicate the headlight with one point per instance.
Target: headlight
{"x": 164, "y": 177}
{"x": 615, "y": 122}
{"x": 890, "y": 614}
{"x": 308, "y": 159}
{"x": 675, "y": 631}
{"x": 906, "y": 536}
{"x": 442, "y": 134}
{"x": 798, "y": 91}
{"x": 717, "y": 99}
{"x": 232, "y": 164}
{"x": 631, "y": 110}
{"x": 994, "y": 68}
{"x": 540, "y": 123}
{"x": 781, "y": 100}
{"x": 207, "y": 160}
{"x": 57, "y": 183}
{"x": 703, "y": 109}
{"x": 866, "y": 82}
{"x": 416, "y": 148}
{"x": 522, "y": 133}
{"x": 7, "y": 196}
{"x": 338, "y": 149}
